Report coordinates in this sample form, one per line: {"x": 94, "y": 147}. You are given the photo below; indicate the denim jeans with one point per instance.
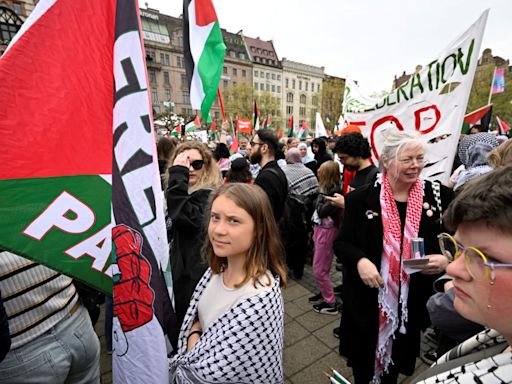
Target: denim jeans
{"x": 67, "y": 353}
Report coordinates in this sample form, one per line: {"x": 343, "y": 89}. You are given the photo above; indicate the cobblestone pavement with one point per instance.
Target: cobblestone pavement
{"x": 310, "y": 347}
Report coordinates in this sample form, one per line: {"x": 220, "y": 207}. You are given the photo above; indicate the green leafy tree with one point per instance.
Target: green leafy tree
{"x": 269, "y": 105}
{"x": 239, "y": 99}
{"x": 332, "y": 99}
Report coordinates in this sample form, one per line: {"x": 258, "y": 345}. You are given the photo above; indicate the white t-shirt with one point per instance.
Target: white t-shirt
{"x": 218, "y": 299}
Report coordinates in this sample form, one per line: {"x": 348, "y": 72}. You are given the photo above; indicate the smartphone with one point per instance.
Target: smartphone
{"x": 325, "y": 194}
{"x": 416, "y": 262}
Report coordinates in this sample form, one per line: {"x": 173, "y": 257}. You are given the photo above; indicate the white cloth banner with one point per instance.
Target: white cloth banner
{"x": 432, "y": 102}
{"x": 319, "y": 126}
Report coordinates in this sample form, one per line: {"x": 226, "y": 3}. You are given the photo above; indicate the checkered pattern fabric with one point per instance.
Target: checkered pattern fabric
{"x": 245, "y": 345}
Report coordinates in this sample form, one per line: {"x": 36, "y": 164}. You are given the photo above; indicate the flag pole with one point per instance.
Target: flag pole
{"x": 219, "y": 95}
{"x": 492, "y": 84}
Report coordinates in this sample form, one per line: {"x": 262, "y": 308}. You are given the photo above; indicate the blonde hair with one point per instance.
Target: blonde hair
{"x": 266, "y": 251}
{"x": 328, "y": 176}
{"x": 211, "y": 177}
{"x": 501, "y": 155}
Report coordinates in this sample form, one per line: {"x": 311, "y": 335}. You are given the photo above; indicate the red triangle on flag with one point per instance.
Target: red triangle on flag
{"x": 503, "y": 127}
{"x": 475, "y": 116}
{"x": 205, "y": 12}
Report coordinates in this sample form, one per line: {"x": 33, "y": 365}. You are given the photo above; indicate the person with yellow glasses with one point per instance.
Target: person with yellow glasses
{"x": 481, "y": 249}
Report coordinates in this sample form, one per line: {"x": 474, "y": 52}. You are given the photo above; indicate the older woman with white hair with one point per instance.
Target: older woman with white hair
{"x": 383, "y": 303}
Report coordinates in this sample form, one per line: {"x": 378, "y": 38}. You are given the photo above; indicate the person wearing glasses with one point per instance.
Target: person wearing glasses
{"x": 481, "y": 248}
{"x": 271, "y": 178}
{"x": 191, "y": 178}
{"x": 383, "y": 306}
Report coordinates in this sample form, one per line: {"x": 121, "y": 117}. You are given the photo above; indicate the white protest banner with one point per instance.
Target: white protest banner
{"x": 433, "y": 102}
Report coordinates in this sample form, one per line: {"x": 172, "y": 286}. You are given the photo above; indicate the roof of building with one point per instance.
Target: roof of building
{"x": 262, "y": 52}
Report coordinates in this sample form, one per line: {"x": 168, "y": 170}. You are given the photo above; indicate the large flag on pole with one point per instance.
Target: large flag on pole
{"x": 290, "y": 127}
{"x": 481, "y": 116}
{"x": 319, "y": 126}
{"x": 87, "y": 201}
{"x": 203, "y": 49}
{"x": 432, "y": 102}
{"x": 255, "y": 117}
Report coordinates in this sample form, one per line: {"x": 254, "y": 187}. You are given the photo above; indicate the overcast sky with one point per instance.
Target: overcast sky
{"x": 370, "y": 41}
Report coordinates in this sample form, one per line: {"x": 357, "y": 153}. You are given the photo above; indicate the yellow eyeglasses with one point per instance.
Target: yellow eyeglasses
{"x": 475, "y": 261}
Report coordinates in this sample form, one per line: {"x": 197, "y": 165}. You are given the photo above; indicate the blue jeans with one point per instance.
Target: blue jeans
{"x": 67, "y": 353}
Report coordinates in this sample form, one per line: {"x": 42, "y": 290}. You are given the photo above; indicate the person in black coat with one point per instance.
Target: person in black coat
{"x": 369, "y": 271}
{"x": 191, "y": 178}
{"x": 319, "y": 148}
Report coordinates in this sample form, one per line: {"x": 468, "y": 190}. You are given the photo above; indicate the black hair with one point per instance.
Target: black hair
{"x": 353, "y": 144}
{"x": 239, "y": 171}
{"x": 221, "y": 152}
{"x": 268, "y": 137}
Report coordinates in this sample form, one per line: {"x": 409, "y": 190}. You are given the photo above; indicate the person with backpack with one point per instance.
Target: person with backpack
{"x": 326, "y": 218}
{"x": 296, "y": 222}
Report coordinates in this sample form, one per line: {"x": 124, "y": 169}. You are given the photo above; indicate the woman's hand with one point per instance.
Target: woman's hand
{"x": 436, "y": 265}
{"x": 369, "y": 273}
{"x": 182, "y": 159}
{"x": 337, "y": 200}
{"x": 193, "y": 339}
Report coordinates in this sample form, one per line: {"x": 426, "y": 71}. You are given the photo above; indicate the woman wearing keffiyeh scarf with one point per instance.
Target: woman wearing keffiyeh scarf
{"x": 384, "y": 307}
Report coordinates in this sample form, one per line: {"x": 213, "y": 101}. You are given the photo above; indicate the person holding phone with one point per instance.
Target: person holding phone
{"x": 384, "y": 307}
{"x": 191, "y": 178}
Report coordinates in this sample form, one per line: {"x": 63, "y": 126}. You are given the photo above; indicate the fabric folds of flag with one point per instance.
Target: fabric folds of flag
{"x": 290, "y": 127}
{"x": 498, "y": 83}
{"x": 502, "y": 126}
{"x": 319, "y": 126}
{"x": 193, "y": 125}
{"x": 481, "y": 116}
{"x": 255, "y": 118}
{"x": 204, "y": 51}
{"x": 87, "y": 201}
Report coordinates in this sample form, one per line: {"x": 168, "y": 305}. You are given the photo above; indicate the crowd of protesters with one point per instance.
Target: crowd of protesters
{"x": 240, "y": 223}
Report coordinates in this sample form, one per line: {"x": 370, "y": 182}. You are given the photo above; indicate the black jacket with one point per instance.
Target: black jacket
{"x": 362, "y": 237}
{"x": 187, "y": 215}
{"x": 275, "y": 184}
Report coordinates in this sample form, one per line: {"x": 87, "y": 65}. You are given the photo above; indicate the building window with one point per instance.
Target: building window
{"x": 152, "y": 76}
{"x": 268, "y": 87}
{"x": 300, "y": 85}
{"x": 256, "y": 86}
{"x": 307, "y": 84}
{"x": 262, "y": 75}
{"x": 244, "y": 73}
{"x": 262, "y": 87}
{"x": 151, "y": 55}
{"x": 278, "y": 89}
{"x": 185, "y": 97}
{"x": 167, "y": 94}
{"x": 314, "y": 100}
{"x": 167, "y": 60}
{"x": 17, "y": 9}
{"x": 241, "y": 55}
{"x": 232, "y": 53}
{"x": 278, "y": 77}
{"x": 273, "y": 76}
{"x": 166, "y": 78}
{"x": 268, "y": 76}
{"x": 235, "y": 72}
{"x": 10, "y": 23}
{"x": 162, "y": 56}
{"x": 293, "y": 83}
{"x": 225, "y": 83}
{"x": 264, "y": 61}
{"x": 179, "y": 61}
{"x": 225, "y": 70}
{"x": 257, "y": 59}
{"x": 273, "y": 88}
{"x": 184, "y": 81}
{"x": 303, "y": 99}
{"x": 154, "y": 96}
{"x": 289, "y": 110}
{"x": 287, "y": 82}
{"x": 302, "y": 111}
{"x": 256, "y": 74}
{"x": 289, "y": 97}
{"x": 318, "y": 87}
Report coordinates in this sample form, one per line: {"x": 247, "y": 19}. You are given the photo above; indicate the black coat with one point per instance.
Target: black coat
{"x": 187, "y": 214}
{"x": 273, "y": 181}
{"x": 362, "y": 237}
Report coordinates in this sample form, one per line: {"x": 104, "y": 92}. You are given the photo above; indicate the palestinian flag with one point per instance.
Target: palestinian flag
{"x": 69, "y": 197}
{"x": 481, "y": 116}
{"x": 234, "y": 145}
{"x": 213, "y": 131}
{"x": 255, "y": 117}
{"x": 203, "y": 50}
{"x": 502, "y": 126}
{"x": 193, "y": 125}
{"x": 267, "y": 124}
{"x": 290, "y": 127}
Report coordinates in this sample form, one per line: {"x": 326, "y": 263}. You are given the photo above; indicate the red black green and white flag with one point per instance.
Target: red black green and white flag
{"x": 255, "y": 118}
{"x": 481, "y": 116}
{"x": 204, "y": 53}
{"x": 79, "y": 184}
{"x": 503, "y": 127}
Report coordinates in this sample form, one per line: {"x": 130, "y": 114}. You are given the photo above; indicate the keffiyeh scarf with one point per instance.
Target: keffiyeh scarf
{"x": 245, "y": 345}
{"x": 396, "y": 280}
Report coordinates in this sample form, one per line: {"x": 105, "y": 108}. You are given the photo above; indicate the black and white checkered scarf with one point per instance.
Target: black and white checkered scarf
{"x": 245, "y": 345}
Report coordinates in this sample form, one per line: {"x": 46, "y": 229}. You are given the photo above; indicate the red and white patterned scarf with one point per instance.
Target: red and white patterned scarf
{"x": 391, "y": 268}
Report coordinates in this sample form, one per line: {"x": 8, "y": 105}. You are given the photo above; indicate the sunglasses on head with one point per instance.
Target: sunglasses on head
{"x": 197, "y": 164}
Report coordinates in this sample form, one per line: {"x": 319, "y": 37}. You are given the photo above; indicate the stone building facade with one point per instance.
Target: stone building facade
{"x": 12, "y": 15}
{"x": 302, "y": 91}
